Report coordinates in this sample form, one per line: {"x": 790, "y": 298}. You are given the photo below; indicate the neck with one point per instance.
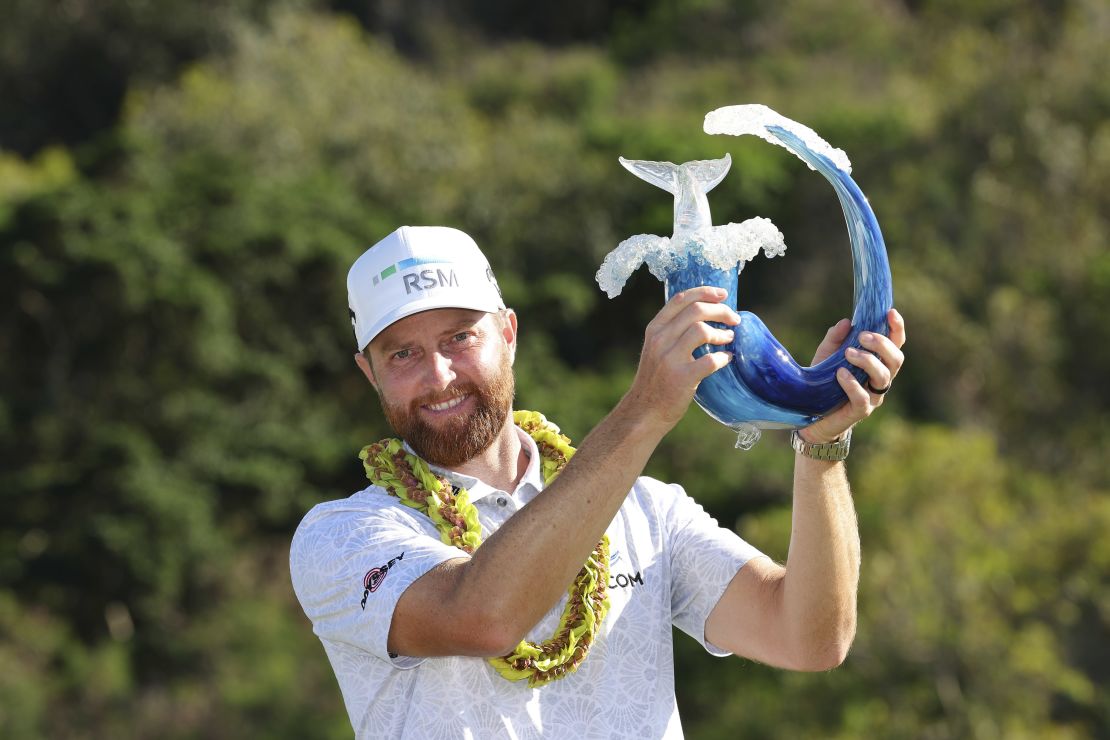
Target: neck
{"x": 502, "y": 464}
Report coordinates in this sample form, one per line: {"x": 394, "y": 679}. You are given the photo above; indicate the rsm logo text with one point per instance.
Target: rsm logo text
{"x": 428, "y": 279}
{"x": 418, "y": 280}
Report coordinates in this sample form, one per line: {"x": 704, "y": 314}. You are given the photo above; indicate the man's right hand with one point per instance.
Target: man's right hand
{"x": 668, "y": 374}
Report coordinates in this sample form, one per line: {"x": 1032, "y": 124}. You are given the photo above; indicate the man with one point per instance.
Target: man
{"x": 408, "y": 621}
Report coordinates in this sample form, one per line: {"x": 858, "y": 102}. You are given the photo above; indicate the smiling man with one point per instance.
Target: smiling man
{"x": 559, "y": 624}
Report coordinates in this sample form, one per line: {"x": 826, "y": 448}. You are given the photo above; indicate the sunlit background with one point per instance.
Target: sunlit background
{"x": 184, "y": 184}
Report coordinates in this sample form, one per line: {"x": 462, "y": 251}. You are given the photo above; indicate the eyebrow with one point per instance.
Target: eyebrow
{"x": 392, "y": 346}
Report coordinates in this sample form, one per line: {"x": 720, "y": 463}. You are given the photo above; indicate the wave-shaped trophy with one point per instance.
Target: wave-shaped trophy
{"x": 763, "y": 387}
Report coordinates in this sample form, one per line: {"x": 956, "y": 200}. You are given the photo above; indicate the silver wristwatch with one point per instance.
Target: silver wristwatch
{"x": 831, "y": 451}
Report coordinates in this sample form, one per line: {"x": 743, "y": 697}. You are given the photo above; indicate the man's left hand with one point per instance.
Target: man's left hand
{"x": 881, "y": 359}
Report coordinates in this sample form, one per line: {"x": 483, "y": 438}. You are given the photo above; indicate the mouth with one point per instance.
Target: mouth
{"x": 449, "y": 404}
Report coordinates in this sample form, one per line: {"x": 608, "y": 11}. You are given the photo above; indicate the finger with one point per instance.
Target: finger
{"x": 886, "y": 350}
{"x": 680, "y": 301}
{"x": 859, "y": 400}
{"x": 710, "y": 363}
{"x": 699, "y": 334}
{"x": 836, "y": 334}
{"x": 878, "y": 374}
{"x": 669, "y": 334}
{"x": 705, "y": 311}
{"x": 897, "y": 327}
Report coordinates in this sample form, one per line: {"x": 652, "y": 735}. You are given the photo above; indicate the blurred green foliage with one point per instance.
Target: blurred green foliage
{"x": 182, "y": 189}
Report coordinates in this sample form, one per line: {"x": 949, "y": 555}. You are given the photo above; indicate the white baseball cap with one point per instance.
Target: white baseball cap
{"x": 414, "y": 269}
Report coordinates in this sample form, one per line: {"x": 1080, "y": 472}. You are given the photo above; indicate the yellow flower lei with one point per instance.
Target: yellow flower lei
{"x": 408, "y": 478}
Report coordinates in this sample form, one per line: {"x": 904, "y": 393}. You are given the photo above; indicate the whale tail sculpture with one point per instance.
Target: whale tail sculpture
{"x": 687, "y": 182}
{"x": 763, "y": 387}
{"x": 707, "y": 173}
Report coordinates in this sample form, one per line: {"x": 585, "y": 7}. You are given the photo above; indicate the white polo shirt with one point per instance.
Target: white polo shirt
{"x": 669, "y": 563}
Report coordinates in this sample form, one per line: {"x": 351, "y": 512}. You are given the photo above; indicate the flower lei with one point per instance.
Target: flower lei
{"x": 408, "y": 478}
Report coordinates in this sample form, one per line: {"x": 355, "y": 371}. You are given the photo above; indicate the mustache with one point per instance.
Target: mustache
{"x": 463, "y": 389}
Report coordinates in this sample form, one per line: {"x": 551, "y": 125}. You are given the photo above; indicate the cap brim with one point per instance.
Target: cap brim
{"x": 427, "y": 304}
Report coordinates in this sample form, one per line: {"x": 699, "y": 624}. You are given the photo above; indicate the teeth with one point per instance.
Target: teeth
{"x": 447, "y": 404}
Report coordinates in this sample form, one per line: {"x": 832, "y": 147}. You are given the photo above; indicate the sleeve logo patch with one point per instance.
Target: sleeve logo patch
{"x": 374, "y": 578}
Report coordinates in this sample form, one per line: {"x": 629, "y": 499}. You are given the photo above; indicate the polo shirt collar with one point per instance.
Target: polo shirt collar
{"x": 530, "y": 483}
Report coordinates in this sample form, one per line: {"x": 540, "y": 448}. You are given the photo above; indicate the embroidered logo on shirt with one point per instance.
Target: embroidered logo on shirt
{"x": 374, "y": 578}
{"x": 624, "y": 580}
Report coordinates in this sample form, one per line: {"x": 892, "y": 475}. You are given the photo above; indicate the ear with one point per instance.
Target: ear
{"x": 508, "y": 332}
{"x": 366, "y": 368}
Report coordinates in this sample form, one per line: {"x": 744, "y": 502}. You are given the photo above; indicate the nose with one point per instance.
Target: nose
{"x": 439, "y": 368}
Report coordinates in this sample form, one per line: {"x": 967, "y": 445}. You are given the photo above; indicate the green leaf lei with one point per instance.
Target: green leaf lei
{"x": 409, "y": 478}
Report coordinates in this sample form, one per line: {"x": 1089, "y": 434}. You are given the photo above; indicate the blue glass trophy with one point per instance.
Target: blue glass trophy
{"x": 763, "y": 387}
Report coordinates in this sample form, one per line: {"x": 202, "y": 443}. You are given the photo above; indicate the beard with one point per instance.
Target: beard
{"x": 457, "y": 439}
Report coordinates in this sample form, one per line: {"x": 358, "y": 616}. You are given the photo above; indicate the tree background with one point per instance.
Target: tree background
{"x": 183, "y": 186}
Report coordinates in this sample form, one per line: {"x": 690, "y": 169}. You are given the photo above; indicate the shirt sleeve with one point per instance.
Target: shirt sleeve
{"x": 351, "y": 563}
{"x": 704, "y": 557}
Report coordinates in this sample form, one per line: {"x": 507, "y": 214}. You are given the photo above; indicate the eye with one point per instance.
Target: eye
{"x": 402, "y": 354}
{"x": 462, "y": 336}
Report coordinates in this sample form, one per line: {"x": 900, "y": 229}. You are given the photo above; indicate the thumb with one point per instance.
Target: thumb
{"x": 833, "y": 337}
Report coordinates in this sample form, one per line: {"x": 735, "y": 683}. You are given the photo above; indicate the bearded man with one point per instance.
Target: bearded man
{"x": 560, "y": 623}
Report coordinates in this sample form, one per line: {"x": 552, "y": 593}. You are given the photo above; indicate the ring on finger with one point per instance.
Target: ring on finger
{"x": 876, "y": 391}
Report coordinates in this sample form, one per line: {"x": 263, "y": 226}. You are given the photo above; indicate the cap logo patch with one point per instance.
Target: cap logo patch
{"x": 405, "y": 264}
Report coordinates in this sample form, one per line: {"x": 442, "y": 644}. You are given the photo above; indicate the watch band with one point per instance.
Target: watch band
{"x": 832, "y": 451}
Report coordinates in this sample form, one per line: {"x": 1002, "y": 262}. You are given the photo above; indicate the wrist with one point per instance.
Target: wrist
{"x": 833, "y": 450}
{"x": 813, "y": 436}
{"x": 639, "y": 421}
{"x": 643, "y": 413}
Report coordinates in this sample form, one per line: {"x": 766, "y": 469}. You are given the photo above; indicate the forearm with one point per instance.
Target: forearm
{"x": 803, "y": 616}
{"x": 822, "y": 567}
{"x": 522, "y": 570}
